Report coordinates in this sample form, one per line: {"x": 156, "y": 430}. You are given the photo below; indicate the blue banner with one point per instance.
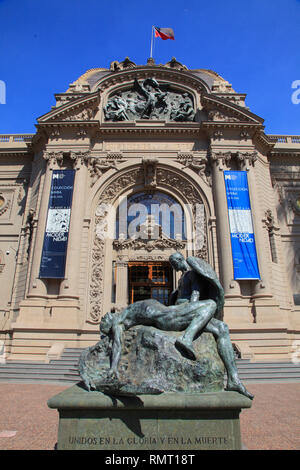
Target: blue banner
{"x": 57, "y": 227}
{"x": 244, "y": 256}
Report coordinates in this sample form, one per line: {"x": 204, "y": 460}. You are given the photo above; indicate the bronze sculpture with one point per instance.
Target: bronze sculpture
{"x": 196, "y": 309}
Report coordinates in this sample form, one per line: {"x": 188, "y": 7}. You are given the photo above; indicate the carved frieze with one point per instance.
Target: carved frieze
{"x": 149, "y": 100}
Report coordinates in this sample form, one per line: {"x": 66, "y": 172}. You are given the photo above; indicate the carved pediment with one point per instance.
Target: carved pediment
{"x": 81, "y": 109}
{"x": 223, "y": 110}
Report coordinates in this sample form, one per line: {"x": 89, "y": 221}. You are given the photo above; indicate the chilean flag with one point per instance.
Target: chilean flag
{"x": 164, "y": 33}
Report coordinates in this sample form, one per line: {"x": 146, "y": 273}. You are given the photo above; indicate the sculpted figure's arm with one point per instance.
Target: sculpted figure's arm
{"x": 117, "y": 333}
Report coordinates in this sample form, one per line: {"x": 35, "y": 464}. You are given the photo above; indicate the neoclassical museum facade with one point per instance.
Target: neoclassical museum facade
{"x": 133, "y": 163}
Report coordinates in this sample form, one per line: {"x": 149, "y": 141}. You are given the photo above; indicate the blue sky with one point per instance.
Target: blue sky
{"x": 47, "y": 44}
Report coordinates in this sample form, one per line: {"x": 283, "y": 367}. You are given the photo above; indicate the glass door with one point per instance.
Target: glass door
{"x": 150, "y": 280}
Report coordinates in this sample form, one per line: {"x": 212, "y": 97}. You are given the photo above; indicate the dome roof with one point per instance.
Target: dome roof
{"x": 213, "y": 80}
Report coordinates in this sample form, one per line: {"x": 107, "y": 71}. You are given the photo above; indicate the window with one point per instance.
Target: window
{"x": 164, "y": 211}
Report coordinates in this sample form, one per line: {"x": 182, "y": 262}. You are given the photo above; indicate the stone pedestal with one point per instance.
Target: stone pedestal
{"x": 203, "y": 421}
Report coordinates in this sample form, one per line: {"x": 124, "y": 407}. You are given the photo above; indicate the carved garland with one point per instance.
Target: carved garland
{"x": 136, "y": 176}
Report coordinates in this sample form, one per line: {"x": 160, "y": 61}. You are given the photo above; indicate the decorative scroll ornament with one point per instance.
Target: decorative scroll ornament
{"x": 149, "y": 100}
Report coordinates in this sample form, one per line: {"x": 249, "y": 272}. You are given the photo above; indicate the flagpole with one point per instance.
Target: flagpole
{"x": 151, "y": 42}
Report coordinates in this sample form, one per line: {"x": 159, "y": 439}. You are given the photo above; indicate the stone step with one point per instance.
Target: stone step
{"x": 65, "y": 369}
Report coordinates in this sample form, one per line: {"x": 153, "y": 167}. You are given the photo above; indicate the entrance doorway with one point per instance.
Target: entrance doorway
{"x": 150, "y": 280}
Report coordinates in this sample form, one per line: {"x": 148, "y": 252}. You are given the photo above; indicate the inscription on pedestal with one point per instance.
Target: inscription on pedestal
{"x": 136, "y": 442}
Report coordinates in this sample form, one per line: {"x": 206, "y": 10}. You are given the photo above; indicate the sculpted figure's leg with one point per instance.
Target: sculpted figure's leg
{"x": 202, "y": 316}
{"x": 221, "y": 333}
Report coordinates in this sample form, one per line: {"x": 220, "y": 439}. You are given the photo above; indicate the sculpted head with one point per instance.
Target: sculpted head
{"x": 106, "y": 323}
{"x": 178, "y": 262}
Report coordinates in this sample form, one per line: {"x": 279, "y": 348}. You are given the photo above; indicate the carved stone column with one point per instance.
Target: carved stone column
{"x": 121, "y": 284}
{"x": 219, "y": 161}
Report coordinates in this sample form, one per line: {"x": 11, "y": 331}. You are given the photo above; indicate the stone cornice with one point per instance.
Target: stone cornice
{"x": 16, "y": 153}
{"x": 155, "y": 127}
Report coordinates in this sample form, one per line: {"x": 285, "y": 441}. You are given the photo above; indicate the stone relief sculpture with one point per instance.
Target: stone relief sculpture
{"x": 152, "y": 348}
{"x": 149, "y": 100}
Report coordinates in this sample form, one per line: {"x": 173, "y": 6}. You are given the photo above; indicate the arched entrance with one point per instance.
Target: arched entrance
{"x": 129, "y": 256}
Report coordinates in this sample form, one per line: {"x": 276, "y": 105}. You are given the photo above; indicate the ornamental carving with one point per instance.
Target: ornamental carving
{"x": 246, "y": 158}
{"x": 54, "y": 157}
{"x": 99, "y": 165}
{"x": 197, "y": 163}
{"x": 218, "y": 116}
{"x": 148, "y": 245}
{"x": 5, "y": 203}
{"x": 150, "y": 100}
{"x": 79, "y": 157}
{"x": 149, "y": 165}
{"x": 82, "y": 113}
{"x": 116, "y": 66}
{"x": 85, "y": 114}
